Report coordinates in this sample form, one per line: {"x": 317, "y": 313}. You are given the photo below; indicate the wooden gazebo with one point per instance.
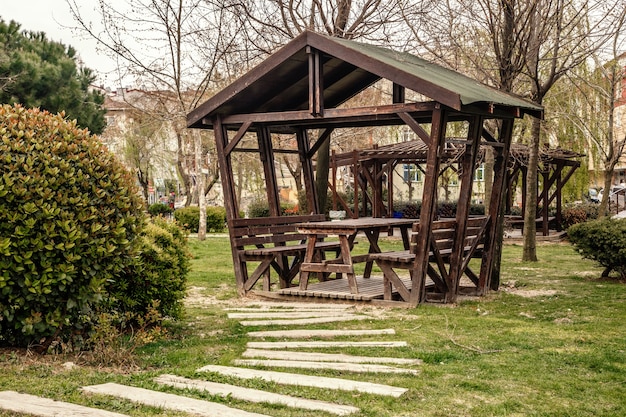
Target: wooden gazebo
{"x": 304, "y": 90}
{"x": 372, "y": 174}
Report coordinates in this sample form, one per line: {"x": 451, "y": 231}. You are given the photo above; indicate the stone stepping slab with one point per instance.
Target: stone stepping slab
{"x": 326, "y": 357}
{"x": 306, "y": 380}
{"x": 272, "y": 314}
{"x": 333, "y": 366}
{"x": 300, "y": 322}
{"x": 321, "y": 344}
{"x": 254, "y": 395}
{"x": 287, "y": 309}
{"x": 296, "y": 305}
{"x": 303, "y": 334}
{"x": 45, "y": 407}
{"x": 169, "y": 401}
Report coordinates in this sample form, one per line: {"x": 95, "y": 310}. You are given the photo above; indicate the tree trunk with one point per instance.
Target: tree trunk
{"x": 530, "y": 226}
{"x": 197, "y": 139}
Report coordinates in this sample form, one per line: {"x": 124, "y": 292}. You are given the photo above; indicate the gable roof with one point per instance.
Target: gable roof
{"x": 280, "y": 83}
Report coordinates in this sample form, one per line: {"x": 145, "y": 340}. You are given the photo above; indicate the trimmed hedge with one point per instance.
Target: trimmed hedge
{"x": 604, "y": 241}
{"x": 189, "y": 218}
{"x": 69, "y": 213}
{"x": 159, "y": 209}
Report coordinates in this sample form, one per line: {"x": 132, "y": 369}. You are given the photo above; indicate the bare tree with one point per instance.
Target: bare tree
{"x": 532, "y": 45}
{"x": 269, "y": 24}
{"x": 178, "y": 46}
{"x": 597, "y": 100}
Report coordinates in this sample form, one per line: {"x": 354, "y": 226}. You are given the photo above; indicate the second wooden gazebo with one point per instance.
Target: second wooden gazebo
{"x": 304, "y": 90}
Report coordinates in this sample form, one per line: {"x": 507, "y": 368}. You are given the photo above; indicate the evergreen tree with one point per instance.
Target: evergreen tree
{"x": 37, "y": 72}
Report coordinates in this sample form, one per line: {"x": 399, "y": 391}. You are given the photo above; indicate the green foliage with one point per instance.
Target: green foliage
{"x": 69, "y": 213}
{"x": 260, "y": 208}
{"x": 189, "y": 218}
{"x": 157, "y": 274}
{"x": 579, "y": 213}
{"x": 444, "y": 209}
{"x": 604, "y": 241}
{"x": 37, "y": 72}
{"x": 159, "y": 209}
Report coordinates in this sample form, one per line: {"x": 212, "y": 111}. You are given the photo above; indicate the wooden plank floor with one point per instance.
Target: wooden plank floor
{"x": 369, "y": 289}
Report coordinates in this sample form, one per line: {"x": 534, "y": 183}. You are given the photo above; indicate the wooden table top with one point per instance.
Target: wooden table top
{"x": 355, "y": 224}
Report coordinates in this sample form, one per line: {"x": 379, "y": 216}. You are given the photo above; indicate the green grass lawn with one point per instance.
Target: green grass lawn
{"x": 552, "y": 342}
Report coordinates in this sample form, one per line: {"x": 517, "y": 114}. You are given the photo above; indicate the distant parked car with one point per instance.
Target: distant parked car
{"x": 593, "y": 195}
{"x": 613, "y": 193}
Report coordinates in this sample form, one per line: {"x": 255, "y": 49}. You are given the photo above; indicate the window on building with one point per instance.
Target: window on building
{"x": 411, "y": 173}
{"x": 479, "y": 174}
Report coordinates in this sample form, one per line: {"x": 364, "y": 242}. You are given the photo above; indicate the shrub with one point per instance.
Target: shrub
{"x": 189, "y": 218}
{"x": 69, "y": 214}
{"x": 260, "y": 208}
{"x": 159, "y": 209}
{"x": 579, "y": 213}
{"x": 604, "y": 241}
{"x": 157, "y": 276}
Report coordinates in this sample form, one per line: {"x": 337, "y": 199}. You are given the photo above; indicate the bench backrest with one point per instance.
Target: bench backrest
{"x": 444, "y": 231}
{"x": 261, "y": 231}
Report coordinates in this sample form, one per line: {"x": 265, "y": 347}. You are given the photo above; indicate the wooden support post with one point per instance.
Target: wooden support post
{"x": 468, "y": 164}
{"x": 429, "y": 205}
{"x": 230, "y": 201}
{"x": 267, "y": 158}
{"x": 493, "y": 235}
{"x": 307, "y": 170}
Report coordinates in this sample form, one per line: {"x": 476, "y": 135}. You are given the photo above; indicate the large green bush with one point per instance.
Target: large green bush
{"x": 69, "y": 213}
{"x": 189, "y": 218}
{"x": 157, "y": 276}
{"x": 604, "y": 241}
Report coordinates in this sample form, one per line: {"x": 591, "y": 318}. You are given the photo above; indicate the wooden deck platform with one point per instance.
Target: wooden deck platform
{"x": 369, "y": 289}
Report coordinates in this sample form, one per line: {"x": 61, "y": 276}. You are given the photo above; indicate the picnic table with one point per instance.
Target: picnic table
{"x": 346, "y": 231}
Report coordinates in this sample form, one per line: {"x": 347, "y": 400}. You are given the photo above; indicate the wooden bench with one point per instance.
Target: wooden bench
{"x": 275, "y": 243}
{"x": 443, "y": 233}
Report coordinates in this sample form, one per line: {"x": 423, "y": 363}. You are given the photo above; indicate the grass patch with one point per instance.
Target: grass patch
{"x": 550, "y": 343}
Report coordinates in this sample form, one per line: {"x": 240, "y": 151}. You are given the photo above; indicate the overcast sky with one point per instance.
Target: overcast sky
{"x": 53, "y": 18}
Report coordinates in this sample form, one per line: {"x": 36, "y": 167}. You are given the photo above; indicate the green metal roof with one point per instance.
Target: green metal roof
{"x": 280, "y": 83}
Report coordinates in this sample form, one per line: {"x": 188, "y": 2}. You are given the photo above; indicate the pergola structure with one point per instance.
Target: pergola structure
{"x": 372, "y": 173}
{"x": 304, "y": 90}
{"x": 556, "y": 167}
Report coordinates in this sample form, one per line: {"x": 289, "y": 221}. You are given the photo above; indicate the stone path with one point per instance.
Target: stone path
{"x": 266, "y": 354}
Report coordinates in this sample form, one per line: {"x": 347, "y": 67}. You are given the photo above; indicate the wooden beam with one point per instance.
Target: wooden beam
{"x": 316, "y": 83}
{"x": 302, "y": 116}
{"x": 242, "y": 131}
{"x": 324, "y": 136}
{"x": 399, "y": 93}
{"x": 415, "y": 127}
{"x": 307, "y": 170}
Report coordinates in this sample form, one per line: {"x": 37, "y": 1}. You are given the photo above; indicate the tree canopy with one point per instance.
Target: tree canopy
{"x": 38, "y": 72}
